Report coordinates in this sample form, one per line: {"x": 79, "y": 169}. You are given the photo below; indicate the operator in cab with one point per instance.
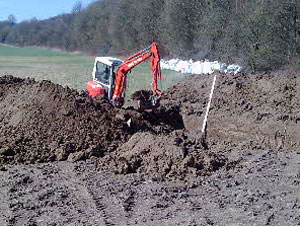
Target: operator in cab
{"x": 102, "y": 73}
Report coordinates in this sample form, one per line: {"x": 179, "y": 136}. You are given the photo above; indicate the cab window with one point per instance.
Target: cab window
{"x": 102, "y": 72}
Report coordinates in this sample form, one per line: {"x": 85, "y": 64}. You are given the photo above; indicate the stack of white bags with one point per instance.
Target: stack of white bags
{"x": 199, "y": 67}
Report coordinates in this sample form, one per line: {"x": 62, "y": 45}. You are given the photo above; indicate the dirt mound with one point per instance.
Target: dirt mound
{"x": 164, "y": 157}
{"x": 249, "y": 156}
{"x": 42, "y": 121}
{"x": 258, "y": 111}
{"x": 247, "y": 112}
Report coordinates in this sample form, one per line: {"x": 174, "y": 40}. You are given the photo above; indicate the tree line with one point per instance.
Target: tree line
{"x": 258, "y": 34}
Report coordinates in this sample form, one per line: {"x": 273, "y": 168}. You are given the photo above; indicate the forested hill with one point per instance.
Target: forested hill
{"x": 258, "y": 34}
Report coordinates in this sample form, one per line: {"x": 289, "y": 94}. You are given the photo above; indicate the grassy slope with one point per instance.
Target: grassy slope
{"x": 70, "y": 69}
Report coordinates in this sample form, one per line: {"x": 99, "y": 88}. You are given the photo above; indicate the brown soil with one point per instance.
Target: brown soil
{"x": 152, "y": 168}
{"x": 142, "y": 95}
{"x": 248, "y": 112}
{"x": 42, "y": 122}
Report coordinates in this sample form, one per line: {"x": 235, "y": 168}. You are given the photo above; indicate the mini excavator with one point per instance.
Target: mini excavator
{"x": 110, "y": 76}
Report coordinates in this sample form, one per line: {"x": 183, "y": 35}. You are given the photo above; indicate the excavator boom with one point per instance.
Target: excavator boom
{"x": 130, "y": 63}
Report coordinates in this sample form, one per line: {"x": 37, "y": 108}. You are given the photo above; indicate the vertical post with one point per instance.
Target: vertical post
{"x": 208, "y": 105}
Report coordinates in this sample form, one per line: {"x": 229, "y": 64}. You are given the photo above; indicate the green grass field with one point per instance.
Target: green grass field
{"x": 71, "y": 69}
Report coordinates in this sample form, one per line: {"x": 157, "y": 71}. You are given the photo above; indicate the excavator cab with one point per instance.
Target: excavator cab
{"x": 102, "y": 73}
{"x": 103, "y": 77}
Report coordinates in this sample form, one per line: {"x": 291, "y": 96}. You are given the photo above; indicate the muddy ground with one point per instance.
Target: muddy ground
{"x": 69, "y": 160}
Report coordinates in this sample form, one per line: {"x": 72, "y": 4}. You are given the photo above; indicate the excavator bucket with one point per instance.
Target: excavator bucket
{"x": 145, "y": 100}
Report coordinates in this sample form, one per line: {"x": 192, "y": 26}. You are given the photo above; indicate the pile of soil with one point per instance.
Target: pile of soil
{"x": 262, "y": 111}
{"x": 255, "y": 112}
{"x": 42, "y": 122}
{"x": 153, "y": 168}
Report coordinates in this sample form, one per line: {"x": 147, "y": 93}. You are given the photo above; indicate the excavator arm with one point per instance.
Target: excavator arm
{"x": 130, "y": 63}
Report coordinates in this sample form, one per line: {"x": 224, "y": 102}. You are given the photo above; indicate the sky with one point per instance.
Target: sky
{"x": 41, "y": 9}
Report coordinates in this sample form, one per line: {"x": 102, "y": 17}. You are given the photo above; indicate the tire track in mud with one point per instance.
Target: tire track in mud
{"x": 129, "y": 204}
{"x": 5, "y": 213}
{"x": 100, "y": 208}
{"x": 18, "y": 184}
{"x": 34, "y": 194}
{"x": 58, "y": 195}
{"x": 115, "y": 197}
{"x": 107, "y": 218}
{"x": 111, "y": 209}
{"x": 73, "y": 180}
{"x": 106, "y": 204}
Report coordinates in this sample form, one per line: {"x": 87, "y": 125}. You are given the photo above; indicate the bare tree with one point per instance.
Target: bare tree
{"x": 77, "y": 8}
{"x": 12, "y": 19}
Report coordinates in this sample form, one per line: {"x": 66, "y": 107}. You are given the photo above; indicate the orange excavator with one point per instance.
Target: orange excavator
{"x": 110, "y": 76}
